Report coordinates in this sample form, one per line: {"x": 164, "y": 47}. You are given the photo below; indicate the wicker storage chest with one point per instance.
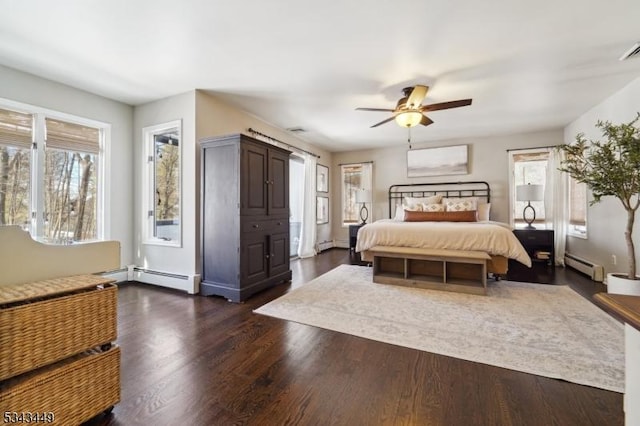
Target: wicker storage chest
{"x": 57, "y": 360}
{"x": 47, "y": 321}
{"x": 68, "y": 392}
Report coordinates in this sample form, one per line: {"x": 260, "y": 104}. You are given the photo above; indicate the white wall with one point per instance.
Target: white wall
{"x": 202, "y": 115}
{"x": 29, "y": 89}
{"x": 606, "y": 221}
{"x": 216, "y": 118}
{"x": 488, "y": 161}
{"x": 175, "y": 260}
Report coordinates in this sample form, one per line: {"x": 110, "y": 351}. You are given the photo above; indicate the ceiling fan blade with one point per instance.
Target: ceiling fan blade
{"x": 374, "y": 109}
{"x": 417, "y": 96}
{"x": 384, "y": 121}
{"x": 446, "y": 105}
{"x": 426, "y": 121}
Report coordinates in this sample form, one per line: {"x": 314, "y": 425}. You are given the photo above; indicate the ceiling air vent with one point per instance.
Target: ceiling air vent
{"x": 631, "y": 53}
{"x": 296, "y": 129}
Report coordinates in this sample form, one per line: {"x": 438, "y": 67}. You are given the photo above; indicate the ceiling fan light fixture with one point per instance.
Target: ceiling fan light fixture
{"x": 409, "y": 118}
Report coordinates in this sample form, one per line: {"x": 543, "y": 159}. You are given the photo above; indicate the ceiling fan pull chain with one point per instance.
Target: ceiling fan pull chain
{"x": 409, "y": 137}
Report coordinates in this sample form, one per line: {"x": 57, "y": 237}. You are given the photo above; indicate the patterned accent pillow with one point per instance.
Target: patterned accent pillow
{"x": 461, "y": 216}
{"x": 433, "y": 207}
{"x": 460, "y": 204}
{"x": 413, "y": 201}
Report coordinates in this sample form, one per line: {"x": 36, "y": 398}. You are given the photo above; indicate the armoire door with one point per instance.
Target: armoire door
{"x": 254, "y": 181}
{"x": 279, "y": 253}
{"x": 254, "y": 257}
{"x": 278, "y": 188}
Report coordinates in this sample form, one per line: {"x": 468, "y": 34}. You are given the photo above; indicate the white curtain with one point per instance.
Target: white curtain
{"x": 556, "y": 203}
{"x": 307, "y": 246}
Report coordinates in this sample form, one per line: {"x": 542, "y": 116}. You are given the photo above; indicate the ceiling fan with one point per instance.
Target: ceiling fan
{"x": 409, "y": 109}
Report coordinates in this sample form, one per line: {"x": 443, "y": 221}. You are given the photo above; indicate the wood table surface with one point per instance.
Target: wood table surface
{"x": 622, "y": 306}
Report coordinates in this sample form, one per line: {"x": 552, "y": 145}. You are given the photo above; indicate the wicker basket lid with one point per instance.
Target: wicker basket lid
{"x": 13, "y": 293}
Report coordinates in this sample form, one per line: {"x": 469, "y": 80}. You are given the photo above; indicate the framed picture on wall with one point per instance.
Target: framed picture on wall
{"x": 322, "y": 178}
{"x": 322, "y": 210}
{"x": 446, "y": 160}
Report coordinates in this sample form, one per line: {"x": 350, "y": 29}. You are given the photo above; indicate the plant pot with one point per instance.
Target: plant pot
{"x": 619, "y": 284}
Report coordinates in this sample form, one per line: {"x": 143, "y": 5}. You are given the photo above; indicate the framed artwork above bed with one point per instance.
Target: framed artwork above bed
{"x": 446, "y": 160}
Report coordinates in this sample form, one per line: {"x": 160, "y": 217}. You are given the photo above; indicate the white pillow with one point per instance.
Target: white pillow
{"x": 483, "y": 211}
{"x": 399, "y": 216}
{"x": 460, "y": 204}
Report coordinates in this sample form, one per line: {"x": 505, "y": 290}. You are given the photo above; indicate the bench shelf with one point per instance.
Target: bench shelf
{"x": 449, "y": 270}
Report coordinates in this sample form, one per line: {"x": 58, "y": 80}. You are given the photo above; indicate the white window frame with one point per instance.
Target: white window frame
{"x": 148, "y": 185}
{"x": 36, "y": 202}
{"x": 366, "y": 183}
{"x": 512, "y": 185}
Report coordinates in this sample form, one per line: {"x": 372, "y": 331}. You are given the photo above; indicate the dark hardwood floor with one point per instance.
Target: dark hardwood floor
{"x": 193, "y": 360}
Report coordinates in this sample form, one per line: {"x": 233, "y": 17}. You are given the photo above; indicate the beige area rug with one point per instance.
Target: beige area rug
{"x": 546, "y": 330}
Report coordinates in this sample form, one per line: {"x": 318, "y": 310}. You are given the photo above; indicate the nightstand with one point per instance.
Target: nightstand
{"x": 539, "y": 245}
{"x": 353, "y": 236}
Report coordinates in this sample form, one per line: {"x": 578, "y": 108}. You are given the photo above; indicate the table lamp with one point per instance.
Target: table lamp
{"x": 529, "y": 193}
{"x": 363, "y": 196}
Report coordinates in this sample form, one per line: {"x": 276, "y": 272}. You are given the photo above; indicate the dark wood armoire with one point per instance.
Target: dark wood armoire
{"x": 244, "y": 216}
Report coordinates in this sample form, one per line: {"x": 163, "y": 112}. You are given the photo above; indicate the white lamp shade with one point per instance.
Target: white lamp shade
{"x": 363, "y": 196}
{"x": 409, "y": 118}
{"x": 529, "y": 192}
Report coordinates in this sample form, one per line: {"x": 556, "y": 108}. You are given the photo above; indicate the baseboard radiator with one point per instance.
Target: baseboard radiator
{"x": 188, "y": 283}
{"x": 596, "y": 272}
{"x": 324, "y": 245}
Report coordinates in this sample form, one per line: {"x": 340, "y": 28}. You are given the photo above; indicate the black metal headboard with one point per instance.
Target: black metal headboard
{"x": 478, "y": 189}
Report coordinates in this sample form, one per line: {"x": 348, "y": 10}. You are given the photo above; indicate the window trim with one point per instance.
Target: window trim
{"x": 512, "y": 186}
{"x": 103, "y": 228}
{"x": 364, "y": 185}
{"x": 148, "y": 185}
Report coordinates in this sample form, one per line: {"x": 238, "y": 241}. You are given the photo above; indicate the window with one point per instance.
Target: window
{"x": 163, "y": 184}
{"x": 529, "y": 167}
{"x": 577, "y": 209}
{"x": 15, "y": 168}
{"x": 354, "y": 177}
{"x": 49, "y": 175}
{"x": 70, "y": 182}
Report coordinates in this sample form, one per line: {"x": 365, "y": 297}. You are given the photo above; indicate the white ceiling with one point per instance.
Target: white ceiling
{"x": 528, "y": 65}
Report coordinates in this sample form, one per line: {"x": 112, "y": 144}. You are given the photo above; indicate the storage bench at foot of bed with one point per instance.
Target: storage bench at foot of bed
{"x": 449, "y": 270}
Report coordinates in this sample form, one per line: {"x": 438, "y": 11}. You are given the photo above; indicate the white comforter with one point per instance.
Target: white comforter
{"x": 494, "y": 238}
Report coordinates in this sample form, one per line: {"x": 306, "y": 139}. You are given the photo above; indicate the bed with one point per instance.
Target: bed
{"x": 450, "y": 216}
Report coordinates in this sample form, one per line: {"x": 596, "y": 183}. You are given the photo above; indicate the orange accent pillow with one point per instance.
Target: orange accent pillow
{"x": 463, "y": 216}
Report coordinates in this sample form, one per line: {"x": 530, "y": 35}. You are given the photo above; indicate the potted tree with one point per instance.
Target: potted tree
{"x": 611, "y": 168}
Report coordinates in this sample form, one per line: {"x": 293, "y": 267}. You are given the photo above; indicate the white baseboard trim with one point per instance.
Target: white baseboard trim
{"x": 188, "y": 283}
{"x": 341, "y": 243}
{"x": 120, "y": 275}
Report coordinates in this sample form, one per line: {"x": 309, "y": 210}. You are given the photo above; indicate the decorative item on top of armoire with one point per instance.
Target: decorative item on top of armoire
{"x": 244, "y": 216}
